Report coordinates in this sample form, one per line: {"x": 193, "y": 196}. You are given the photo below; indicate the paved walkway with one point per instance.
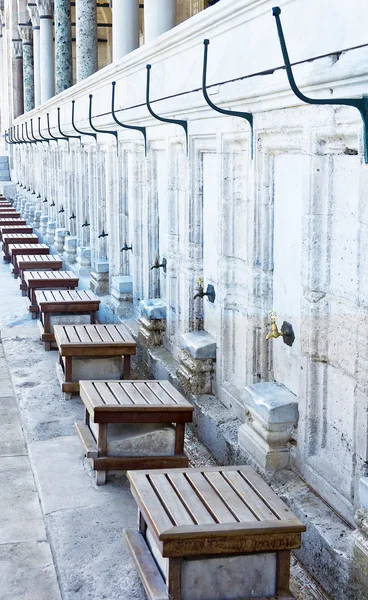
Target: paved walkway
{"x": 60, "y": 535}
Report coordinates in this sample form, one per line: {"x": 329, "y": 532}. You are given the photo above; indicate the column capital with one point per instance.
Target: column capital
{"x": 45, "y": 8}
{"x": 34, "y": 14}
{"x": 17, "y": 48}
{"x": 26, "y": 33}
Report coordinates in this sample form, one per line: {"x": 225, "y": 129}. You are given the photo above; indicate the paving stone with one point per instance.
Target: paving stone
{"x": 21, "y": 518}
{"x": 27, "y": 572}
{"x": 11, "y": 434}
{"x": 95, "y": 563}
{"x": 62, "y": 479}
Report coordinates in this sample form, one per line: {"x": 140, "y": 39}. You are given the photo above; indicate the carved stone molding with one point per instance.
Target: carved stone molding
{"x": 17, "y": 48}
{"x": 34, "y": 14}
{"x": 26, "y": 33}
{"x": 45, "y": 8}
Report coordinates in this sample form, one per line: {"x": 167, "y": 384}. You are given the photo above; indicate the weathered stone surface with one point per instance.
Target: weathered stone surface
{"x": 153, "y": 309}
{"x": 151, "y": 331}
{"x": 195, "y": 375}
{"x": 11, "y": 435}
{"x": 199, "y": 344}
{"x": 273, "y": 402}
{"x": 139, "y": 439}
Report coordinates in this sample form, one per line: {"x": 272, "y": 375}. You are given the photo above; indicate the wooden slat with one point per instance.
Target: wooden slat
{"x": 105, "y": 392}
{"x": 120, "y": 393}
{"x": 93, "y": 332}
{"x": 172, "y": 391}
{"x": 149, "y": 573}
{"x": 143, "y": 388}
{"x": 259, "y": 508}
{"x": 151, "y": 504}
{"x": 162, "y": 396}
{"x": 71, "y": 333}
{"x": 266, "y": 494}
{"x": 83, "y": 335}
{"x": 105, "y": 334}
{"x": 133, "y": 393}
{"x": 170, "y": 500}
{"x": 191, "y": 500}
{"x": 229, "y": 497}
{"x": 211, "y": 499}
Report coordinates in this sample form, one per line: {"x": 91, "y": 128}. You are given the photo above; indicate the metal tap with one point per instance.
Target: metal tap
{"x": 103, "y": 234}
{"x": 53, "y": 204}
{"x": 286, "y": 332}
{"x": 86, "y": 224}
{"x": 72, "y": 216}
{"x": 61, "y": 210}
{"x": 125, "y": 248}
{"x": 45, "y": 200}
{"x": 157, "y": 264}
{"x": 274, "y": 333}
{"x": 210, "y": 291}
{"x": 39, "y": 196}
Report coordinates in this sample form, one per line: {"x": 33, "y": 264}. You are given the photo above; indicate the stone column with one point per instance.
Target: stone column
{"x": 125, "y": 27}
{"x": 63, "y": 46}
{"x": 159, "y": 16}
{"x": 35, "y": 18}
{"x": 18, "y": 87}
{"x": 25, "y": 31}
{"x": 45, "y": 8}
{"x": 87, "y": 45}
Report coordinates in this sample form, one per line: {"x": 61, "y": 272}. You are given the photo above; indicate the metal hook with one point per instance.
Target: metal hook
{"x": 182, "y": 123}
{"x": 33, "y": 135}
{"x": 360, "y": 103}
{"x": 67, "y": 137}
{"x": 114, "y": 133}
{"x": 39, "y": 131}
{"x": 8, "y": 141}
{"x": 27, "y": 136}
{"x": 48, "y": 127}
{"x": 77, "y": 130}
{"x": 232, "y": 113}
{"x": 14, "y": 138}
{"x": 18, "y": 137}
{"x": 141, "y": 129}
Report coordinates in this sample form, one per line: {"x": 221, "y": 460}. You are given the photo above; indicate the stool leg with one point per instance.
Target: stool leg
{"x": 126, "y": 367}
{"x": 179, "y": 438}
{"x": 102, "y": 451}
{"x": 93, "y": 317}
{"x": 174, "y": 579}
{"x": 283, "y": 573}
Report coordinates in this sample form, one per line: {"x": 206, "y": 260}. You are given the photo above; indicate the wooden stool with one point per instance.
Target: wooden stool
{"x": 10, "y": 221}
{"x": 211, "y": 533}
{"x": 55, "y": 303}
{"x": 47, "y": 280}
{"x": 17, "y": 238}
{"x": 37, "y": 262}
{"x": 16, "y": 228}
{"x": 96, "y": 351}
{"x": 9, "y": 213}
{"x": 128, "y": 425}
{"x": 16, "y": 250}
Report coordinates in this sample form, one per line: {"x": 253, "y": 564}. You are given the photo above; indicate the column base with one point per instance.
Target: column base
{"x": 99, "y": 283}
{"x": 50, "y": 233}
{"x": 83, "y": 267}
{"x": 121, "y": 292}
{"x": 59, "y": 240}
{"x": 197, "y": 362}
{"x": 70, "y": 250}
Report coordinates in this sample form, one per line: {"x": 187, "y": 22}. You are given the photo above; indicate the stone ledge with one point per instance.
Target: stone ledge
{"x": 273, "y": 402}
{"x": 199, "y": 344}
{"x": 153, "y": 309}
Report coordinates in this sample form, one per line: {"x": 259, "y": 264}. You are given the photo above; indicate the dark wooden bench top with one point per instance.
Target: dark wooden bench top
{"x": 35, "y": 279}
{"x": 16, "y": 228}
{"x": 93, "y": 340}
{"x": 9, "y": 213}
{"x": 214, "y": 510}
{"x": 39, "y": 261}
{"x": 11, "y": 221}
{"x": 67, "y": 300}
{"x": 128, "y": 401}
{"x": 20, "y": 249}
{"x": 20, "y": 238}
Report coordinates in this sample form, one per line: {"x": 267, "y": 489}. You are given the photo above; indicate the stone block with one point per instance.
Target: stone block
{"x": 153, "y": 309}
{"x": 150, "y": 332}
{"x": 83, "y": 261}
{"x": 43, "y": 224}
{"x": 97, "y": 368}
{"x": 60, "y": 233}
{"x": 122, "y": 284}
{"x": 199, "y": 344}
{"x": 139, "y": 439}
{"x": 195, "y": 375}
{"x": 99, "y": 283}
{"x": 50, "y": 232}
{"x": 363, "y": 492}
{"x": 271, "y": 415}
{"x": 70, "y": 250}
{"x": 37, "y": 219}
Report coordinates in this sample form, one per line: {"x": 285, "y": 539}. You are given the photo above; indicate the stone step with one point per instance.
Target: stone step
{"x": 4, "y": 160}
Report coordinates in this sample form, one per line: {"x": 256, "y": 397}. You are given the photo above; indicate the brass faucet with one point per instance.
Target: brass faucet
{"x": 274, "y": 333}
{"x": 200, "y": 292}
{"x": 210, "y": 291}
{"x": 157, "y": 264}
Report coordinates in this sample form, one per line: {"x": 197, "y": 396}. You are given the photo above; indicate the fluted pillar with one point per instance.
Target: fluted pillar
{"x": 46, "y": 9}
{"x": 18, "y": 83}
{"x": 63, "y": 46}
{"x": 159, "y": 16}
{"x": 26, "y": 34}
{"x": 87, "y": 45}
{"x": 125, "y": 27}
{"x": 35, "y": 18}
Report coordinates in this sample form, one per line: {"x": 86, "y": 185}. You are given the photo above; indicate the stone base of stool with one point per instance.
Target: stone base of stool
{"x": 128, "y": 461}
{"x": 89, "y": 368}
